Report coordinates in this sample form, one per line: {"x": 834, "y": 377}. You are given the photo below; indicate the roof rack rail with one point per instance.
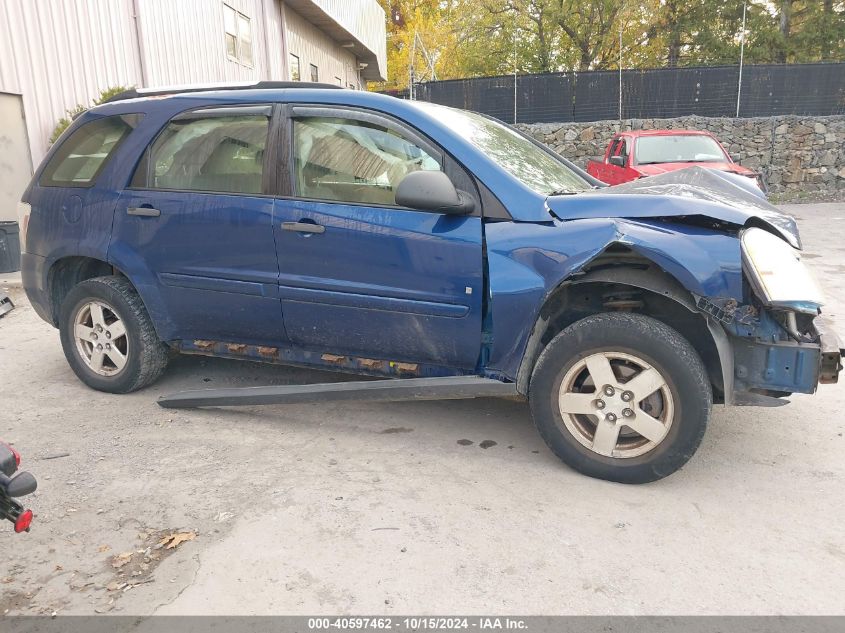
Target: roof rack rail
{"x": 135, "y": 93}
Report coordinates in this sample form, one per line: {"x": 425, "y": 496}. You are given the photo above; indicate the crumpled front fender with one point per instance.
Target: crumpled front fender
{"x": 523, "y": 278}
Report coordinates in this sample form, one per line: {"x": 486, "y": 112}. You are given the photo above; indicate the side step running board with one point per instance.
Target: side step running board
{"x": 440, "y": 388}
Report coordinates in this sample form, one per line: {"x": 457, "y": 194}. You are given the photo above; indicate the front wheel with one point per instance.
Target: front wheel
{"x": 622, "y": 397}
{"x": 108, "y": 337}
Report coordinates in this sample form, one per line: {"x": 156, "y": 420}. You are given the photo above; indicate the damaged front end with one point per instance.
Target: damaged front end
{"x": 766, "y": 320}
{"x": 770, "y": 354}
{"x": 783, "y": 343}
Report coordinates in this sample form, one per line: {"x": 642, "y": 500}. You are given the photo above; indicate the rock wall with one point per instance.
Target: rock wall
{"x": 799, "y": 157}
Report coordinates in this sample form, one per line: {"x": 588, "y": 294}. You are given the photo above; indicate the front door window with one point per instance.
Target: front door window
{"x": 353, "y": 161}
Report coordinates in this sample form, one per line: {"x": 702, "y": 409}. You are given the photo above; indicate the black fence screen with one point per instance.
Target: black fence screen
{"x": 713, "y": 91}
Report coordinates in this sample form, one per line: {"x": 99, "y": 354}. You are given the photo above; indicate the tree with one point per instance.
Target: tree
{"x": 468, "y": 38}
{"x": 78, "y": 109}
{"x": 590, "y": 28}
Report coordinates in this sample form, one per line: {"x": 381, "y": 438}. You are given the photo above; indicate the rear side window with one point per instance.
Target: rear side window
{"x": 208, "y": 152}
{"x": 82, "y": 156}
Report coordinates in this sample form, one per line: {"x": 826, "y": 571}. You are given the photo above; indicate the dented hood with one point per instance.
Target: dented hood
{"x": 691, "y": 192}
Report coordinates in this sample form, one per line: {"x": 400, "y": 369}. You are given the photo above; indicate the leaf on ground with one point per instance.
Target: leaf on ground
{"x": 121, "y": 559}
{"x": 176, "y": 539}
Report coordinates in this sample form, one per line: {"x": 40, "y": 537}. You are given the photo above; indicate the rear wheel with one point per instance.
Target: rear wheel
{"x": 108, "y": 337}
{"x": 621, "y": 397}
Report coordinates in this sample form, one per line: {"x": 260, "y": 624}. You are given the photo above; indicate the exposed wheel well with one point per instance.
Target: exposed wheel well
{"x": 69, "y": 271}
{"x": 629, "y": 286}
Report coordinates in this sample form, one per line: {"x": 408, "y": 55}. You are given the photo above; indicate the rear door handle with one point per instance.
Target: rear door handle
{"x": 145, "y": 212}
{"x": 303, "y": 227}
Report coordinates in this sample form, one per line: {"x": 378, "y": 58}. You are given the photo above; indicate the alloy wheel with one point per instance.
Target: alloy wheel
{"x": 616, "y": 404}
{"x": 101, "y": 338}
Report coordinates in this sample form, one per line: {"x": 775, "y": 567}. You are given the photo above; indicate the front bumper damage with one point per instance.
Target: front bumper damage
{"x": 831, "y": 352}
{"x": 764, "y": 371}
{"x": 761, "y": 361}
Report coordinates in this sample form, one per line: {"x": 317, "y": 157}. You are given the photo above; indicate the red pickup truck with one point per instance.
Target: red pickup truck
{"x": 636, "y": 154}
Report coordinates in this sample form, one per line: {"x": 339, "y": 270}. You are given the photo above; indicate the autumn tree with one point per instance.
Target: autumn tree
{"x": 469, "y": 38}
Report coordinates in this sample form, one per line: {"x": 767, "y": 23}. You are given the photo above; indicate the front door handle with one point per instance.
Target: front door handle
{"x": 144, "y": 212}
{"x": 303, "y": 227}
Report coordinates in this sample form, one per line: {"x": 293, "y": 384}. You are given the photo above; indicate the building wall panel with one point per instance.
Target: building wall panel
{"x": 59, "y": 53}
{"x": 365, "y": 19}
{"x": 275, "y": 47}
{"x": 184, "y": 42}
{"x": 312, "y": 46}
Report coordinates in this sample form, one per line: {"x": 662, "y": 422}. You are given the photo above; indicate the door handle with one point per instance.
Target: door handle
{"x": 145, "y": 212}
{"x": 303, "y": 227}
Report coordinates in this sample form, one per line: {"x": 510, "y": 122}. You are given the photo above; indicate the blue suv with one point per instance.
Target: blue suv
{"x": 305, "y": 225}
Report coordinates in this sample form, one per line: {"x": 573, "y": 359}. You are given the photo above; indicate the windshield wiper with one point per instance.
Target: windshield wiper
{"x": 563, "y": 192}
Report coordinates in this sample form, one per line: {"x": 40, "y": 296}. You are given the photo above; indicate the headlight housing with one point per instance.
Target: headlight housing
{"x": 779, "y": 277}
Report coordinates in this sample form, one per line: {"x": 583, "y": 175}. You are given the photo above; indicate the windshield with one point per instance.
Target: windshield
{"x": 514, "y": 153}
{"x": 683, "y": 148}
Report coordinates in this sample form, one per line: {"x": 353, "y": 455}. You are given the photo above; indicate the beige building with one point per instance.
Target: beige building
{"x": 55, "y": 54}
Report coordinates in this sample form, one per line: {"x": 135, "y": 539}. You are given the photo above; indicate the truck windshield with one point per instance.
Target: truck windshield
{"x": 683, "y": 148}
{"x": 532, "y": 166}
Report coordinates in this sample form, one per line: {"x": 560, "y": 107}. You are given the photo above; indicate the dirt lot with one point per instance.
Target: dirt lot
{"x": 400, "y": 508}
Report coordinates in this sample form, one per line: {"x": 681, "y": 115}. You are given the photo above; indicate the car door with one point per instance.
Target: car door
{"x": 359, "y": 275}
{"x": 614, "y": 173}
{"x": 194, "y": 228}
{"x": 604, "y": 170}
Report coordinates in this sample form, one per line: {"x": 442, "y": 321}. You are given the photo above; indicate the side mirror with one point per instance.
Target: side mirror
{"x": 619, "y": 161}
{"x": 735, "y": 158}
{"x": 433, "y": 191}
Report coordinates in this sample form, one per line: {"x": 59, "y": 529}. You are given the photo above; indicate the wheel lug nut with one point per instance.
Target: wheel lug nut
{"x": 628, "y": 413}
{"x": 627, "y": 396}
{"x": 99, "y": 328}
{"x": 610, "y": 417}
{"x": 608, "y": 390}
{"x": 600, "y": 404}
{"x": 108, "y": 346}
{"x": 94, "y": 335}
{"x": 99, "y": 346}
{"x": 108, "y": 334}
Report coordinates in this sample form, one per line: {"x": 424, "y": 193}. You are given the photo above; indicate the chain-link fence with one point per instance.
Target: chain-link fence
{"x": 712, "y": 91}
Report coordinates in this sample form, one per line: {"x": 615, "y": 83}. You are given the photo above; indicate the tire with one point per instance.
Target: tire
{"x": 107, "y": 312}
{"x": 632, "y": 346}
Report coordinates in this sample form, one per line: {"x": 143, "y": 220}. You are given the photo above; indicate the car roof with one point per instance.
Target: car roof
{"x": 136, "y": 93}
{"x": 202, "y": 96}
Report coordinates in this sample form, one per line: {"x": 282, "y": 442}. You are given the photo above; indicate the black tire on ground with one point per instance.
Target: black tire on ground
{"x": 147, "y": 356}
{"x": 655, "y": 343}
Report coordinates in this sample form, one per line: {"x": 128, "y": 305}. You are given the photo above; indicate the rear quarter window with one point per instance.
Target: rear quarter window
{"x": 83, "y": 155}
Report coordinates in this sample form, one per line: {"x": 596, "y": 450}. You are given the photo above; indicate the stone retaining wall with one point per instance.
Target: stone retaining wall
{"x": 799, "y": 157}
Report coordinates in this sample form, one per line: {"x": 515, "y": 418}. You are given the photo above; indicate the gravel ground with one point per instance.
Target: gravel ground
{"x": 397, "y": 508}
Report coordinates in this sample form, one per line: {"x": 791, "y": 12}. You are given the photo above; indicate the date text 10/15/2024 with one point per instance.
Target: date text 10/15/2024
{"x": 431, "y": 623}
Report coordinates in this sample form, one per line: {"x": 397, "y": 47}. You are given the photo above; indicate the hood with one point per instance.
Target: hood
{"x": 690, "y": 192}
{"x": 662, "y": 168}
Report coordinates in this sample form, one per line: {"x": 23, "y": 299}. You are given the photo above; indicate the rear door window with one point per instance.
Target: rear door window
{"x": 83, "y": 155}
{"x": 220, "y": 150}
